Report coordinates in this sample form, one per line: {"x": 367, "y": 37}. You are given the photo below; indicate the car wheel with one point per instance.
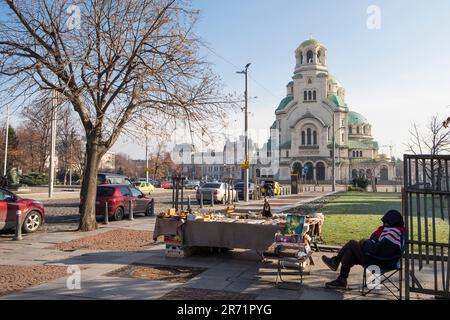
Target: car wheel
{"x": 149, "y": 210}
{"x": 32, "y": 222}
{"x": 118, "y": 214}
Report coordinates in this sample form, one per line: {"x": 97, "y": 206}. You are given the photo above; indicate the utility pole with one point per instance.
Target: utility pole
{"x": 52, "y": 145}
{"x": 146, "y": 155}
{"x": 246, "y": 170}
{"x": 6, "y": 141}
{"x": 334, "y": 157}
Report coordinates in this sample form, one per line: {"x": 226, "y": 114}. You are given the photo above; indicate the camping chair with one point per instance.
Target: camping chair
{"x": 387, "y": 274}
{"x": 297, "y": 262}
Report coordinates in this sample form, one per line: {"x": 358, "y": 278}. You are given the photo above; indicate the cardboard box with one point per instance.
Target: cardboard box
{"x": 176, "y": 251}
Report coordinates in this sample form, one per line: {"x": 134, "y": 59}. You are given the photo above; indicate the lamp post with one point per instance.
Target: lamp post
{"x": 146, "y": 154}
{"x": 52, "y": 144}
{"x": 6, "y": 141}
{"x": 334, "y": 154}
{"x": 246, "y": 170}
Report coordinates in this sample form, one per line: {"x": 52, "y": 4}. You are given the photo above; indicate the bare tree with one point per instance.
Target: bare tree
{"x": 121, "y": 62}
{"x": 433, "y": 140}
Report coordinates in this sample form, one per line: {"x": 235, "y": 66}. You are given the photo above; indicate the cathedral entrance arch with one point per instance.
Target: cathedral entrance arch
{"x": 309, "y": 174}
{"x": 320, "y": 174}
{"x": 384, "y": 175}
{"x": 297, "y": 168}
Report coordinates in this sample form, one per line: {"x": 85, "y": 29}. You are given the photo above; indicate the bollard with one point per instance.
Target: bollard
{"x": 130, "y": 216}
{"x": 106, "y": 221}
{"x": 236, "y": 198}
{"x": 323, "y": 189}
{"x": 18, "y": 234}
{"x": 314, "y": 188}
{"x": 201, "y": 199}
{"x": 212, "y": 199}
{"x": 153, "y": 206}
{"x": 189, "y": 203}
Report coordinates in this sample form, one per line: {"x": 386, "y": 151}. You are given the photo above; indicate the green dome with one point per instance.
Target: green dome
{"x": 310, "y": 42}
{"x": 283, "y": 104}
{"x": 355, "y": 118}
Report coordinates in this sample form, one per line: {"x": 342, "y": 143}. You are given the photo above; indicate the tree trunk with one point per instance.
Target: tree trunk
{"x": 89, "y": 184}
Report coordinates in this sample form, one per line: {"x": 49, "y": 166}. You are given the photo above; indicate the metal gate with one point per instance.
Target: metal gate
{"x": 426, "y": 206}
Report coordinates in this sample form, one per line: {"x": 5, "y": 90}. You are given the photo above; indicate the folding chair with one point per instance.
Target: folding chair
{"x": 387, "y": 274}
{"x": 294, "y": 224}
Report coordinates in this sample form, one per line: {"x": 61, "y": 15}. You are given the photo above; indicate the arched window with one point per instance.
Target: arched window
{"x": 310, "y": 56}
{"x": 354, "y": 154}
{"x": 305, "y": 96}
{"x": 343, "y": 138}
{"x": 303, "y": 138}
{"x": 308, "y": 136}
{"x": 357, "y": 130}
{"x": 309, "y": 95}
{"x": 350, "y": 129}
{"x": 319, "y": 56}
{"x": 360, "y": 154}
{"x": 301, "y": 57}
{"x": 315, "y": 137}
{"x": 314, "y": 95}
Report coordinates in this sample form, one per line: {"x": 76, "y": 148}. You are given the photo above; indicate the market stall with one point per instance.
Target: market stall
{"x": 183, "y": 231}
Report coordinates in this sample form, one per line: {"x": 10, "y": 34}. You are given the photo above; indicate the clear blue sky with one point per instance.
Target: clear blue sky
{"x": 393, "y": 76}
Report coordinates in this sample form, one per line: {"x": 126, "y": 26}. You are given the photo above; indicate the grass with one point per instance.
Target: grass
{"x": 355, "y": 215}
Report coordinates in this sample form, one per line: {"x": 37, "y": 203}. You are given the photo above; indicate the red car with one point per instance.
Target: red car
{"x": 33, "y": 212}
{"x": 166, "y": 185}
{"x": 118, "y": 198}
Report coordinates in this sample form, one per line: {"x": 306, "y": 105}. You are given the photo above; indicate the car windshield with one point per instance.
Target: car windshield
{"x": 211, "y": 185}
{"x": 105, "y": 192}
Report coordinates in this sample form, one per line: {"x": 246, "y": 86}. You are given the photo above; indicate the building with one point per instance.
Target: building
{"x": 312, "y": 113}
{"x": 108, "y": 162}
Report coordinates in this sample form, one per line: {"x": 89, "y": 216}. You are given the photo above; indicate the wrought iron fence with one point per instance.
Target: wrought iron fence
{"x": 426, "y": 207}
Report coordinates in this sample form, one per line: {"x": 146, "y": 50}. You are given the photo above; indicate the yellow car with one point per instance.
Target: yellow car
{"x": 144, "y": 187}
{"x": 275, "y": 187}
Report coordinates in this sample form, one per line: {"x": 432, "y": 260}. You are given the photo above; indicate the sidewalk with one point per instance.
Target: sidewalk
{"x": 237, "y": 274}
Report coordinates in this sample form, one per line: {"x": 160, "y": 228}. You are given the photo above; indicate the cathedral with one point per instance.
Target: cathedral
{"x": 313, "y": 114}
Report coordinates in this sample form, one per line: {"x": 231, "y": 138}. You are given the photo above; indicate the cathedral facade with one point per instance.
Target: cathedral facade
{"x": 312, "y": 115}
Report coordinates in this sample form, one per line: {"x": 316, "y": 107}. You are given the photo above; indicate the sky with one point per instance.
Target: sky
{"x": 394, "y": 75}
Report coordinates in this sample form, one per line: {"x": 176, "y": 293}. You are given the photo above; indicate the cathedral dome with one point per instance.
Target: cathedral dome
{"x": 355, "y": 118}
{"x": 310, "y": 42}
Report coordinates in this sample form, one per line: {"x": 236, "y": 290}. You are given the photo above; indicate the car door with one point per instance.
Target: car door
{"x": 139, "y": 200}
{"x": 126, "y": 198}
{"x": 3, "y": 208}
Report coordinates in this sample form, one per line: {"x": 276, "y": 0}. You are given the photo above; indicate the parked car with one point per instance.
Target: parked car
{"x": 192, "y": 184}
{"x": 111, "y": 178}
{"x": 218, "y": 190}
{"x": 275, "y": 187}
{"x": 166, "y": 185}
{"x": 118, "y": 198}
{"x": 33, "y": 212}
{"x": 144, "y": 187}
{"x": 156, "y": 183}
{"x": 239, "y": 187}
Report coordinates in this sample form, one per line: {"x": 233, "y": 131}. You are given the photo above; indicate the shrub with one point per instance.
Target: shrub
{"x": 356, "y": 189}
{"x": 362, "y": 182}
{"x": 34, "y": 179}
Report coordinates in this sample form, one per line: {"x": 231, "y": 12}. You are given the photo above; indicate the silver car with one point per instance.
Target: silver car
{"x": 218, "y": 191}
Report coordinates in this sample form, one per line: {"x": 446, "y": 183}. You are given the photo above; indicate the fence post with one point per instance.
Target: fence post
{"x": 106, "y": 221}
{"x": 18, "y": 233}
{"x": 130, "y": 216}
{"x": 201, "y": 199}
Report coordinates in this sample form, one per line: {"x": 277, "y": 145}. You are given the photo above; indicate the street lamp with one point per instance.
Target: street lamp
{"x": 6, "y": 141}
{"x": 334, "y": 154}
{"x": 246, "y": 170}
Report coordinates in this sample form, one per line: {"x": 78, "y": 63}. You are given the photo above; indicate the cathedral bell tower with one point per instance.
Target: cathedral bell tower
{"x": 311, "y": 56}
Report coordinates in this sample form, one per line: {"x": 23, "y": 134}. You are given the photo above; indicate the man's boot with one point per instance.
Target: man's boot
{"x": 331, "y": 263}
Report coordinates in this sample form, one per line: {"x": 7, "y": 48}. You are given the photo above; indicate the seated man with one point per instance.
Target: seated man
{"x": 385, "y": 243}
